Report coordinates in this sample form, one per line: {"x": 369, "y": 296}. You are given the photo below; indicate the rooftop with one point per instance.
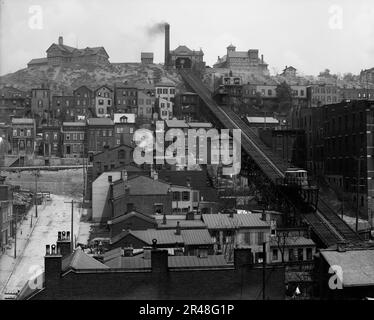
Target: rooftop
{"x": 357, "y": 265}
{"x": 224, "y": 221}
{"x": 99, "y": 122}
{"x": 130, "y": 117}
{"x": 293, "y": 241}
{"x": 22, "y": 121}
{"x": 262, "y": 120}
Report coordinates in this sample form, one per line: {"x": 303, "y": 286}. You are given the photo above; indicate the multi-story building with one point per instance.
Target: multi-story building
{"x": 6, "y": 214}
{"x": 40, "y": 102}
{"x": 51, "y": 140}
{"x": 100, "y": 133}
{"x": 73, "y": 139}
{"x": 63, "y": 107}
{"x": 238, "y": 61}
{"x": 165, "y": 91}
{"x": 165, "y": 109}
{"x": 356, "y": 94}
{"x": 23, "y": 136}
{"x": 187, "y": 106}
{"x": 299, "y": 95}
{"x": 126, "y": 98}
{"x": 367, "y": 76}
{"x": 289, "y": 72}
{"x": 84, "y": 101}
{"x": 348, "y": 137}
{"x": 13, "y": 103}
{"x": 146, "y": 106}
{"x": 124, "y": 128}
{"x": 60, "y": 54}
{"x": 5, "y": 141}
{"x": 322, "y": 94}
{"x": 103, "y": 101}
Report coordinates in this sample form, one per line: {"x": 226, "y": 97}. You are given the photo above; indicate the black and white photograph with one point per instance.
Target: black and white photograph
{"x": 184, "y": 156}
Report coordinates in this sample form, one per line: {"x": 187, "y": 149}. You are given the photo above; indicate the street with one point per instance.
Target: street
{"x": 53, "y": 216}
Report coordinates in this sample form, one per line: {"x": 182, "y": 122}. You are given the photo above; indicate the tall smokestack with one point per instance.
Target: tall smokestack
{"x": 167, "y": 43}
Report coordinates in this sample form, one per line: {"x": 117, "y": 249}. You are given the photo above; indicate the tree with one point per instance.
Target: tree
{"x": 284, "y": 95}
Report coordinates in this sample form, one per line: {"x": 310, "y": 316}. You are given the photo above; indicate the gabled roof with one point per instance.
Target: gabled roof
{"x": 132, "y": 214}
{"x": 143, "y": 185}
{"x": 129, "y": 116}
{"x": 168, "y": 237}
{"x": 184, "y": 50}
{"x": 292, "y": 242}
{"x": 38, "y": 61}
{"x": 61, "y": 47}
{"x": 79, "y": 260}
{"x": 224, "y": 221}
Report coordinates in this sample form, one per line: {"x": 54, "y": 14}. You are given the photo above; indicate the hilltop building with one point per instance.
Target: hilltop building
{"x": 60, "y": 54}
{"x": 242, "y": 61}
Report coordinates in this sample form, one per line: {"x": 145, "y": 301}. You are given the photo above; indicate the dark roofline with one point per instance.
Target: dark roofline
{"x": 111, "y": 149}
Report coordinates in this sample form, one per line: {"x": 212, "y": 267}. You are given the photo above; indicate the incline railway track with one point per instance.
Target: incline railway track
{"x": 326, "y": 224}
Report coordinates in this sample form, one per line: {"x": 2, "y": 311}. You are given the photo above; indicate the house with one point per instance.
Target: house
{"x": 185, "y": 58}
{"x": 146, "y": 57}
{"x": 165, "y": 91}
{"x": 73, "y": 139}
{"x": 103, "y": 101}
{"x": 126, "y": 98}
{"x": 249, "y": 230}
{"x": 40, "y": 102}
{"x": 63, "y": 107}
{"x": 289, "y": 72}
{"x": 187, "y": 106}
{"x": 115, "y": 193}
{"x": 291, "y": 248}
{"x": 84, "y": 101}
{"x": 13, "y": 103}
{"x": 23, "y": 136}
{"x": 152, "y": 275}
{"x": 204, "y": 196}
{"x": 191, "y": 242}
{"x": 191, "y": 220}
{"x": 124, "y": 128}
{"x": 346, "y": 273}
{"x": 146, "y": 106}
{"x": 100, "y": 134}
{"x": 322, "y": 94}
{"x": 51, "y": 140}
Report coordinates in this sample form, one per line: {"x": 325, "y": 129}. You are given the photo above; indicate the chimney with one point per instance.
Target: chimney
{"x": 147, "y": 253}
{"x": 110, "y": 179}
{"x": 60, "y": 40}
{"x": 64, "y": 243}
{"x": 242, "y": 258}
{"x": 164, "y": 219}
{"x": 231, "y": 214}
{"x": 167, "y": 44}
{"x": 262, "y": 59}
{"x": 52, "y": 266}
{"x": 178, "y": 229}
{"x": 159, "y": 260}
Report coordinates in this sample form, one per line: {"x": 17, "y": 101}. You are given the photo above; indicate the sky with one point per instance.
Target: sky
{"x": 310, "y": 35}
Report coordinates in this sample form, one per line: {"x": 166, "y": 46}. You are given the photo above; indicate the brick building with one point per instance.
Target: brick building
{"x": 126, "y": 98}
{"x": 152, "y": 276}
{"x": 124, "y": 128}
{"x": 63, "y": 107}
{"x": 13, "y": 103}
{"x": 100, "y": 133}
{"x": 146, "y": 106}
{"x": 51, "y": 140}
{"x": 73, "y": 139}
{"x": 322, "y": 94}
{"x": 146, "y": 57}
{"x": 187, "y": 106}
{"x": 40, "y": 102}
{"x": 83, "y": 101}
{"x": 6, "y": 214}
{"x": 23, "y": 136}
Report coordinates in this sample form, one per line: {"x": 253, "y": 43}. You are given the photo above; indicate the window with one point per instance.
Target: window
{"x": 291, "y": 255}
{"x": 176, "y": 196}
{"x": 101, "y": 102}
{"x": 121, "y": 154}
{"x": 55, "y": 136}
{"x": 185, "y": 196}
{"x": 247, "y": 238}
{"x": 14, "y": 132}
{"x": 74, "y": 136}
{"x": 82, "y": 136}
{"x": 104, "y": 133}
{"x": 109, "y": 133}
{"x": 275, "y": 255}
{"x": 260, "y": 237}
{"x": 165, "y": 91}
{"x": 159, "y": 208}
{"x": 309, "y": 254}
{"x": 67, "y": 136}
{"x": 300, "y": 254}
{"x": 131, "y": 130}
{"x": 118, "y": 141}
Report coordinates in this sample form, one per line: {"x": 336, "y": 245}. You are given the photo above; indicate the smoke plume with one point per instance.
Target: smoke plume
{"x": 156, "y": 29}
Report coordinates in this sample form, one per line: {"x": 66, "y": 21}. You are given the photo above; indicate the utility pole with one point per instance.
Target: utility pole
{"x": 36, "y": 195}
{"x": 358, "y": 190}
{"x": 15, "y": 233}
{"x": 263, "y": 269}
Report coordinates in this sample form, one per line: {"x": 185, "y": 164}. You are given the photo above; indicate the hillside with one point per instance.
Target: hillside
{"x": 66, "y": 78}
